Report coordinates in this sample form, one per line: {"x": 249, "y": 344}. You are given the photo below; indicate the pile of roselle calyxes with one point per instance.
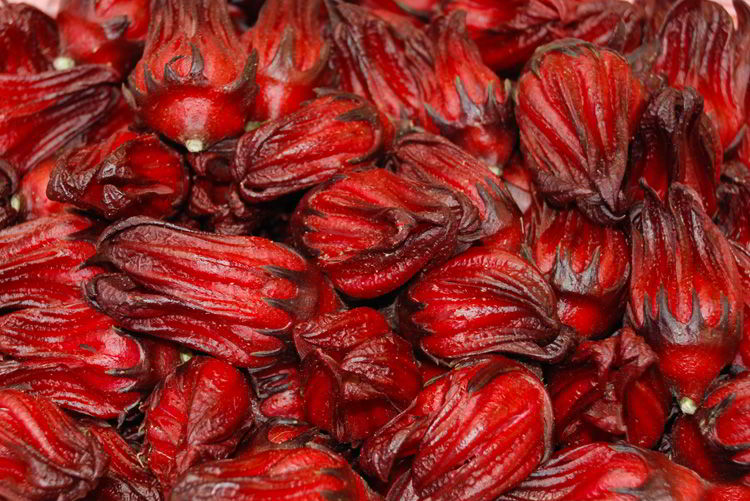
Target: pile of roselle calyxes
{"x": 412, "y": 250}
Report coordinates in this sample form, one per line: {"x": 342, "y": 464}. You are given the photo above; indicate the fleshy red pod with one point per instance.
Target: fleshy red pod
{"x": 587, "y": 264}
{"x": 433, "y": 159}
{"x": 609, "y": 472}
{"x": 32, "y": 192}
{"x": 41, "y": 261}
{"x": 389, "y": 64}
{"x": 356, "y": 373}
{"x": 44, "y": 455}
{"x": 372, "y": 231}
{"x": 120, "y": 118}
{"x": 236, "y": 298}
{"x": 329, "y": 135}
{"x": 30, "y": 38}
{"x": 734, "y": 204}
{"x": 742, "y": 258}
{"x": 676, "y": 142}
{"x": 519, "y": 180}
{"x": 72, "y": 342}
{"x": 484, "y": 300}
{"x": 590, "y": 393}
{"x": 700, "y": 48}
{"x": 162, "y": 358}
{"x": 469, "y": 104}
{"x": 577, "y": 107}
{"x": 279, "y": 391}
{"x": 199, "y": 413}
{"x": 293, "y": 54}
{"x": 110, "y": 33}
{"x": 685, "y": 291}
{"x": 9, "y": 206}
{"x": 196, "y": 82}
{"x": 689, "y": 448}
{"x": 616, "y": 24}
{"x": 127, "y": 175}
{"x": 40, "y": 113}
{"x": 126, "y": 478}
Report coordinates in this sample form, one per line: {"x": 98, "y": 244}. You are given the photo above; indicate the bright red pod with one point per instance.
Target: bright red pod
{"x": 127, "y": 175}
{"x": 372, "y": 231}
{"x": 195, "y": 83}
{"x": 236, "y": 298}
{"x": 9, "y": 206}
{"x": 110, "y": 33}
{"x": 356, "y": 373}
{"x": 742, "y": 258}
{"x": 32, "y": 192}
{"x": 577, "y": 107}
{"x": 293, "y": 55}
{"x": 469, "y": 105}
{"x": 389, "y": 64}
{"x": 485, "y": 300}
{"x": 734, "y": 204}
{"x": 685, "y": 292}
{"x": 676, "y": 142}
{"x": 333, "y": 133}
{"x": 688, "y": 448}
{"x": 590, "y": 393}
{"x": 121, "y": 118}
{"x": 44, "y": 454}
{"x": 616, "y": 24}
{"x": 163, "y": 357}
{"x": 30, "y": 37}
{"x": 519, "y": 180}
{"x": 279, "y": 391}
{"x": 40, "y": 113}
{"x": 433, "y": 159}
{"x": 587, "y": 265}
{"x": 700, "y": 48}
{"x": 199, "y": 413}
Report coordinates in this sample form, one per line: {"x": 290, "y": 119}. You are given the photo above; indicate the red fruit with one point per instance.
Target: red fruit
{"x": 356, "y": 373}
{"x": 372, "y": 231}
{"x": 734, "y": 204}
{"x": 742, "y": 258}
{"x": 615, "y": 24}
{"x": 577, "y": 107}
{"x": 128, "y": 175}
{"x": 519, "y": 180}
{"x": 293, "y": 55}
{"x": 9, "y": 206}
{"x": 484, "y": 300}
{"x": 162, "y": 357}
{"x": 591, "y": 393}
{"x": 433, "y": 159}
{"x": 700, "y": 48}
{"x": 587, "y": 266}
{"x": 236, "y": 298}
{"x": 199, "y": 413}
{"x": 279, "y": 391}
{"x": 685, "y": 292}
{"x": 120, "y": 119}
{"x": 42, "y": 112}
{"x": 331, "y": 134}
{"x": 110, "y": 33}
{"x": 30, "y": 39}
{"x": 44, "y": 455}
{"x": 470, "y": 105}
{"x": 32, "y": 192}
{"x": 688, "y": 448}
{"x": 675, "y": 143}
{"x": 196, "y": 82}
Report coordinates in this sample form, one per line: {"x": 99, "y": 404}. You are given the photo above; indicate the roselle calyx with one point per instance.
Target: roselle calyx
{"x": 30, "y": 37}
{"x": 31, "y": 197}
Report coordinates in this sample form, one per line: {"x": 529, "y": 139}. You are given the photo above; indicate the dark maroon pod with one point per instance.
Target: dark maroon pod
{"x": 30, "y": 39}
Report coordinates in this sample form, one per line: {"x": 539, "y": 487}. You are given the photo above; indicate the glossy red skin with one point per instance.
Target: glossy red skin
{"x": 371, "y": 231}
{"x": 8, "y": 187}
{"x": 162, "y": 357}
{"x": 119, "y": 119}
{"x": 195, "y": 81}
{"x": 519, "y": 180}
{"x": 734, "y": 204}
{"x": 587, "y": 265}
{"x": 685, "y": 291}
{"x": 32, "y": 192}
{"x": 279, "y": 392}
{"x": 199, "y": 413}
{"x": 236, "y": 298}
{"x": 43, "y": 453}
{"x": 482, "y": 301}
{"x": 127, "y": 175}
{"x": 742, "y": 258}
{"x": 356, "y": 373}
{"x": 577, "y": 107}
{"x": 331, "y": 134}
{"x": 690, "y": 449}
{"x": 30, "y": 37}
{"x": 435, "y": 160}
{"x": 293, "y": 54}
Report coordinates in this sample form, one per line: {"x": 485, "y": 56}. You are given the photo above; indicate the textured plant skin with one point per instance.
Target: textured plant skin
{"x": 433, "y": 159}
{"x": 8, "y": 187}
{"x": 479, "y": 431}
{"x": 469, "y": 104}
{"x": 688, "y": 448}
{"x": 127, "y": 175}
{"x": 32, "y": 193}
{"x": 742, "y": 258}
{"x": 196, "y": 82}
{"x": 577, "y": 107}
{"x": 279, "y": 392}
{"x": 293, "y": 55}
{"x": 484, "y": 300}
{"x": 110, "y": 33}
{"x": 608, "y": 389}
{"x": 43, "y": 453}
{"x": 519, "y": 180}
{"x": 587, "y": 265}
{"x": 356, "y": 373}
{"x": 676, "y": 142}
{"x": 30, "y": 37}
{"x": 236, "y": 298}
{"x": 734, "y": 204}
{"x": 199, "y": 413}
{"x": 120, "y": 118}
{"x": 685, "y": 291}
{"x": 331, "y": 134}
{"x": 371, "y": 231}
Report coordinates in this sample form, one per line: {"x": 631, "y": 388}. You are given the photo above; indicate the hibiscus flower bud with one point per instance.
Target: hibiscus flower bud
{"x": 279, "y": 391}
{"x": 30, "y": 37}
